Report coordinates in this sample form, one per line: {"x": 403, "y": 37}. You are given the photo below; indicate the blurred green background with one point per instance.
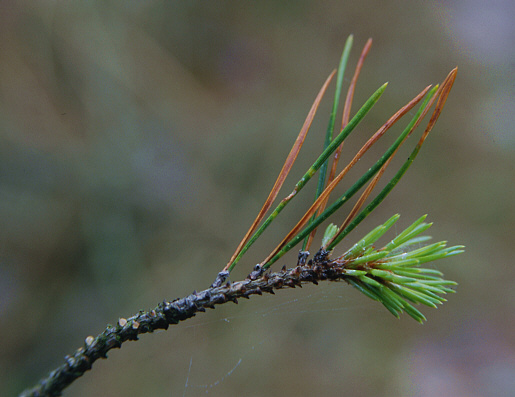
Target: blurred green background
{"x": 138, "y": 140}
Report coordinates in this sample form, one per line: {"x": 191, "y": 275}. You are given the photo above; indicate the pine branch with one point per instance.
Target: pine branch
{"x": 390, "y": 275}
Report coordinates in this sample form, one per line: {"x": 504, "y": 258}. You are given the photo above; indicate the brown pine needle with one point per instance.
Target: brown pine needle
{"x": 352, "y": 86}
{"x": 290, "y": 160}
{"x": 348, "y": 105}
{"x": 442, "y": 95}
{"x": 345, "y": 121}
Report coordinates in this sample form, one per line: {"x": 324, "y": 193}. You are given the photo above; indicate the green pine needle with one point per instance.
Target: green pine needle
{"x": 393, "y": 277}
{"x": 329, "y": 233}
{"x": 332, "y": 118}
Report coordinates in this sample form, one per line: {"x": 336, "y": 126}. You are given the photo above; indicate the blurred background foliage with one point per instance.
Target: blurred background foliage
{"x": 139, "y": 139}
